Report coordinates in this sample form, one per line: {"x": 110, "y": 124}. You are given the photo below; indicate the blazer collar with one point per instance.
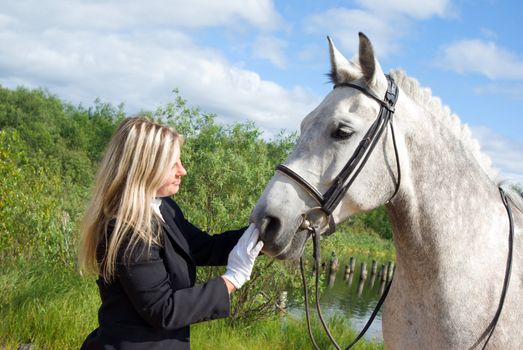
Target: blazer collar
{"x": 172, "y": 229}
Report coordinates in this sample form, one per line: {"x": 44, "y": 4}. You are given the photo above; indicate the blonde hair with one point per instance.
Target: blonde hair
{"x": 134, "y": 166}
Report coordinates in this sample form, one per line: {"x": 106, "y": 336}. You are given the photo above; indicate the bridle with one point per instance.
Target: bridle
{"x": 320, "y": 217}
{"x": 319, "y": 221}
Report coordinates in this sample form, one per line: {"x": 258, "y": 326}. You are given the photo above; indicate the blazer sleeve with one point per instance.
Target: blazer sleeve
{"x": 148, "y": 286}
{"x": 206, "y": 249}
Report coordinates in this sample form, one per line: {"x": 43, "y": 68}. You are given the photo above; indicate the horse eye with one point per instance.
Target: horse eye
{"x": 342, "y": 133}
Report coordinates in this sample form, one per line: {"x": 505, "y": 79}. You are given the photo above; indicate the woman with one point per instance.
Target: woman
{"x": 135, "y": 237}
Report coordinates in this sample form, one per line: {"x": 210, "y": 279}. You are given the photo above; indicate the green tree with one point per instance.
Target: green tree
{"x": 50, "y": 150}
{"x": 49, "y": 154}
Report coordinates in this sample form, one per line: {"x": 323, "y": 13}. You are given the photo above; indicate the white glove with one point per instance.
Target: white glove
{"x": 242, "y": 257}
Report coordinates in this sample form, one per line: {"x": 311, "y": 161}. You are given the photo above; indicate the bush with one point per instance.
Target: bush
{"x": 30, "y": 206}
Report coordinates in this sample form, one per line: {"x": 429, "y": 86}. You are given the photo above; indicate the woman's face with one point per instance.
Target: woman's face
{"x": 172, "y": 181}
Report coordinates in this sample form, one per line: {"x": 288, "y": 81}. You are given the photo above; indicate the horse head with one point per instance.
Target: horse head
{"x": 329, "y": 137}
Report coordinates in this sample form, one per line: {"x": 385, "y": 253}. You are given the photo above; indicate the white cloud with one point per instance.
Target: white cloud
{"x": 506, "y": 155}
{"x": 141, "y": 69}
{"x": 384, "y": 22}
{"x": 344, "y": 24}
{"x": 489, "y": 34}
{"x": 312, "y": 52}
{"x": 82, "y": 50}
{"x": 6, "y": 21}
{"x": 111, "y": 15}
{"x": 513, "y": 91}
{"x": 483, "y": 57}
{"x": 412, "y": 8}
{"x": 271, "y": 49}
{"x": 240, "y": 94}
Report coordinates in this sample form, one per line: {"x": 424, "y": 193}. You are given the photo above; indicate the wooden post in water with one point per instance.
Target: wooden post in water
{"x": 373, "y": 267}
{"x": 347, "y": 272}
{"x": 363, "y": 272}
{"x": 349, "y": 280}
{"x": 382, "y": 287}
{"x": 334, "y": 263}
{"x": 332, "y": 279}
{"x": 360, "y": 287}
{"x": 352, "y": 264}
{"x": 383, "y": 273}
{"x": 372, "y": 280}
{"x": 390, "y": 270}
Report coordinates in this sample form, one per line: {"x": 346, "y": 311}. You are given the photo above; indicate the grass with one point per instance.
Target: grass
{"x": 349, "y": 243}
{"x": 46, "y": 305}
{"x": 276, "y": 334}
{"x": 52, "y": 307}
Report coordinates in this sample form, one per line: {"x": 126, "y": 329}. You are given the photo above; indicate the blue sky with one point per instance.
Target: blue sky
{"x": 265, "y": 61}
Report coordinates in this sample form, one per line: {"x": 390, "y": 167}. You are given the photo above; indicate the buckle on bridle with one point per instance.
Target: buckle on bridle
{"x": 319, "y": 221}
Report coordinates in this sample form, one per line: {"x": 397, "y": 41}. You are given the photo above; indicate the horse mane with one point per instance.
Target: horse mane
{"x": 423, "y": 96}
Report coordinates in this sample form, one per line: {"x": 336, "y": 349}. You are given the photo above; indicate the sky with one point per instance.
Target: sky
{"x": 265, "y": 61}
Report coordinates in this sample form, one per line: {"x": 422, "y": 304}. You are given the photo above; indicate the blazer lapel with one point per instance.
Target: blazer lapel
{"x": 172, "y": 229}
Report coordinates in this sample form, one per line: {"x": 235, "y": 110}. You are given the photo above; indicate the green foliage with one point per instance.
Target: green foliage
{"x": 347, "y": 242}
{"x": 30, "y": 192}
{"x": 375, "y": 222}
{"x": 75, "y": 137}
{"x": 49, "y": 154}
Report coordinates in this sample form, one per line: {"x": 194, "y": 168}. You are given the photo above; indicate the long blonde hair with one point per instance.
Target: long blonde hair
{"x": 135, "y": 164}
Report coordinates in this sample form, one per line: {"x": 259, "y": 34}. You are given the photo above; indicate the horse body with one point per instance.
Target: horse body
{"x": 450, "y": 227}
{"x": 450, "y": 230}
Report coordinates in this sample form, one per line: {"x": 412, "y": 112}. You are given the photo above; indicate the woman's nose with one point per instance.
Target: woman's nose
{"x": 181, "y": 170}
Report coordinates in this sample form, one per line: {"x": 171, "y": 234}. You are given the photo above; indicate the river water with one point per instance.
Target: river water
{"x": 348, "y": 296}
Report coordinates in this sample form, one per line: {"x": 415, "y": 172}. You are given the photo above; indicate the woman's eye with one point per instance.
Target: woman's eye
{"x": 342, "y": 133}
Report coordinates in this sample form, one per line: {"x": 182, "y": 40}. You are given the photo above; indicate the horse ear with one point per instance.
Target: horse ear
{"x": 341, "y": 69}
{"x": 369, "y": 65}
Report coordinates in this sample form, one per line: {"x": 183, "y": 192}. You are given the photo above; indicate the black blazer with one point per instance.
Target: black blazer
{"x": 153, "y": 300}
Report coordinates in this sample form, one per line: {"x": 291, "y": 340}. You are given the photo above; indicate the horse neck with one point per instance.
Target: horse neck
{"x": 447, "y": 203}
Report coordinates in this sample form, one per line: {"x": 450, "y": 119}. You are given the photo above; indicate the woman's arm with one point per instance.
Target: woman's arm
{"x": 148, "y": 286}
{"x": 206, "y": 249}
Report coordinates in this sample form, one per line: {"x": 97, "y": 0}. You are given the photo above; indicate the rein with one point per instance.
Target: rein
{"x": 317, "y": 259}
{"x": 508, "y": 271}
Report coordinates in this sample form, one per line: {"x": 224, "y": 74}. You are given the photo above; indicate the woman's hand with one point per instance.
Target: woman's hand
{"x": 242, "y": 257}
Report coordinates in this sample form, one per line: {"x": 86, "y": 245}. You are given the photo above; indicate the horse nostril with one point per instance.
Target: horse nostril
{"x": 270, "y": 227}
